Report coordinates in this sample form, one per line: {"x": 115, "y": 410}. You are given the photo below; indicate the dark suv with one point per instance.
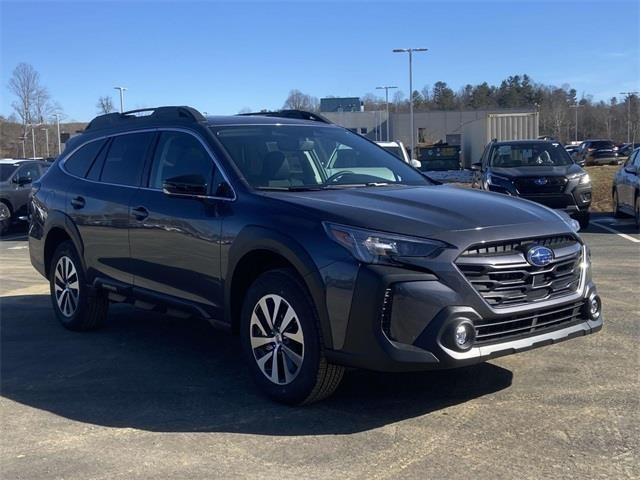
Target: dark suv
{"x": 537, "y": 170}
{"x": 319, "y": 248}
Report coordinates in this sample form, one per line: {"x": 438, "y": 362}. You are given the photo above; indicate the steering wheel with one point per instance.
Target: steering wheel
{"x": 336, "y": 176}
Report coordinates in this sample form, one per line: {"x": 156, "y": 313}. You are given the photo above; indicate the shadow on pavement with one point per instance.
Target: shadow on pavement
{"x": 152, "y": 372}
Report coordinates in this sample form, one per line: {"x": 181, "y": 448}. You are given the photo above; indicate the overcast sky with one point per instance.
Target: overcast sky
{"x": 222, "y": 57}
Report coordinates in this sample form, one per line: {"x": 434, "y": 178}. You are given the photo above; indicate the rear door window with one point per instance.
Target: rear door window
{"x": 124, "y": 162}
{"x": 79, "y": 163}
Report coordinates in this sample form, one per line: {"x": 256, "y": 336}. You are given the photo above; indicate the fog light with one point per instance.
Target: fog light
{"x": 463, "y": 335}
{"x": 594, "y": 306}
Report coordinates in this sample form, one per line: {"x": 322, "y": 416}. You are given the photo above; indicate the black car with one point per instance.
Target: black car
{"x": 626, "y": 149}
{"x": 16, "y": 177}
{"x": 597, "y": 152}
{"x": 318, "y": 247}
{"x": 536, "y": 170}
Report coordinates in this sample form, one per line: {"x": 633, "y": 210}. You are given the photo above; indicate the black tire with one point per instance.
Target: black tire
{"x": 583, "y": 219}
{"x": 90, "y": 307}
{"x": 6, "y": 223}
{"x": 637, "y": 211}
{"x": 316, "y": 378}
{"x": 616, "y": 208}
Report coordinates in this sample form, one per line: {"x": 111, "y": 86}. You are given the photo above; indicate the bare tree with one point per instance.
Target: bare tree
{"x": 105, "y": 105}
{"x": 25, "y": 85}
{"x": 300, "y": 101}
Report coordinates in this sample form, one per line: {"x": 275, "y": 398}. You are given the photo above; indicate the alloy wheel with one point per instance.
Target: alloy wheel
{"x": 67, "y": 286}
{"x": 277, "y": 340}
{"x": 5, "y": 213}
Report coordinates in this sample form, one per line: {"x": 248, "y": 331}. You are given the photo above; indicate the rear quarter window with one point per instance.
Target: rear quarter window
{"x": 78, "y": 163}
{"x": 125, "y": 159}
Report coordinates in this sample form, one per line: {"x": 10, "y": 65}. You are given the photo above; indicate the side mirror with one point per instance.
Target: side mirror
{"x": 224, "y": 190}
{"x": 22, "y": 181}
{"x": 476, "y": 166}
{"x": 185, "y": 185}
{"x": 415, "y": 163}
{"x": 581, "y": 162}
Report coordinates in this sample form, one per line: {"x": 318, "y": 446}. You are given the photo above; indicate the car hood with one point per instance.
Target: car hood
{"x": 538, "y": 171}
{"x": 433, "y": 211}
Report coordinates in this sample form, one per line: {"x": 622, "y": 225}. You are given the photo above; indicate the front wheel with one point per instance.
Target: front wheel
{"x": 282, "y": 342}
{"x": 637, "y": 211}
{"x": 5, "y": 218}
{"x": 583, "y": 219}
{"x": 75, "y": 308}
{"x": 616, "y": 205}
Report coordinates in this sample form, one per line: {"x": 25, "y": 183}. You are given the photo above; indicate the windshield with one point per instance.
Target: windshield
{"x": 529, "y": 155}
{"x": 6, "y": 171}
{"x": 292, "y": 157}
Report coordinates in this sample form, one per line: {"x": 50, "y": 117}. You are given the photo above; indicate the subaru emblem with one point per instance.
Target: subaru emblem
{"x": 540, "y": 181}
{"x": 539, "y": 256}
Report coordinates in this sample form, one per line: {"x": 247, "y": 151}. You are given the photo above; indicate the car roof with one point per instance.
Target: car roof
{"x": 528, "y": 142}
{"x": 227, "y": 120}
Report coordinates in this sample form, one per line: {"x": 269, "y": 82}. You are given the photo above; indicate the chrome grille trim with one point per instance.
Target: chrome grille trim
{"x": 503, "y": 277}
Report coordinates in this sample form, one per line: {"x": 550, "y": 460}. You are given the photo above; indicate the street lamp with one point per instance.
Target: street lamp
{"x": 57, "y": 115}
{"x": 629, "y": 94}
{"x": 576, "y": 107}
{"x": 410, "y": 52}
{"x": 46, "y": 139}
{"x": 122, "y": 89}
{"x": 386, "y": 89}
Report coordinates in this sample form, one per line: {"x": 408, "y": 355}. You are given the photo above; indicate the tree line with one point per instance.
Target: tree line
{"x": 557, "y": 106}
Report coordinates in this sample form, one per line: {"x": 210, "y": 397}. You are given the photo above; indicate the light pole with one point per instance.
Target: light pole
{"x": 46, "y": 139}
{"x": 22, "y": 139}
{"x": 576, "y": 107}
{"x": 629, "y": 94}
{"x": 122, "y": 89}
{"x": 33, "y": 140}
{"x": 386, "y": 89}
{"x": 410, "y": 52}
{"x": 57, "y": 115}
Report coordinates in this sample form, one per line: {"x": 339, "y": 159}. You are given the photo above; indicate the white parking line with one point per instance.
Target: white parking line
{"x": 620, "y": 234}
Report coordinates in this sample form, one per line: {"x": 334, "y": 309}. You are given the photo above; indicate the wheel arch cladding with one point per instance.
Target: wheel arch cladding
{"x": 256, "y": 250}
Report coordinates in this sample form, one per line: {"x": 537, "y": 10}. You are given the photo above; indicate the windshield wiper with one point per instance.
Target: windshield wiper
{"x": 294, "y": 188}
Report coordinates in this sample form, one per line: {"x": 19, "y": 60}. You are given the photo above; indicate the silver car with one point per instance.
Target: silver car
{"x": 626, "y": 188}
{"x": 16, "y": 177}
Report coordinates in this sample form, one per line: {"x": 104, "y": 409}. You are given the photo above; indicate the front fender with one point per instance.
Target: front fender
{"x": 252, "y": 238}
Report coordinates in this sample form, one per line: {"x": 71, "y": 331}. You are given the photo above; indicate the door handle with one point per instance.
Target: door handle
{"x": 77, "y": 203}
{"x": 140, "y": 213}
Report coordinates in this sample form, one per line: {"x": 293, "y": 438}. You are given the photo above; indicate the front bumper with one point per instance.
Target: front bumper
{"x": 423, "y": 307}
{"x": 575, "y": 198}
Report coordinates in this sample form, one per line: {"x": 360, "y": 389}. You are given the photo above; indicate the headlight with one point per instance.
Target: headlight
{"x": 369, "y": 246}
{"x": 493, "y": 179}
{"x": 584, "y": 179}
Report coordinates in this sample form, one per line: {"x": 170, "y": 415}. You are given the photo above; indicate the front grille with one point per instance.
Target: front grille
{"x": 527, "y": 324}
{"x": 529, "y": 185}
{"x": 500, "y": 273}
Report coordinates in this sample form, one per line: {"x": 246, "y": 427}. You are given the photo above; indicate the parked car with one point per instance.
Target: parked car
{"x": 626, "y": 149}
{"x": 537, "y": 170}
{"x": 597, "y": 152}
{"x": 16, "y": 177}
{"x": 626, "y": 188}
{"x": 572, "y": 149}
{"x": 399, "y": 150}
{"x": 319, "y": 248}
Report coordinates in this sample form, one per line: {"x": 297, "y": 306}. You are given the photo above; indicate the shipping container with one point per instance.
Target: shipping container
{"x": 501, "y": 126}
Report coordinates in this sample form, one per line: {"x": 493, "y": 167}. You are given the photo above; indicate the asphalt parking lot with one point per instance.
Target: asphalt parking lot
{"x": 150, "y": 396}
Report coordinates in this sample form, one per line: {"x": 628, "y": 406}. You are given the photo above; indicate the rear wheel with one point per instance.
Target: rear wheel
{"x": 75, "y": 308}
{"x": 282, "y": 342}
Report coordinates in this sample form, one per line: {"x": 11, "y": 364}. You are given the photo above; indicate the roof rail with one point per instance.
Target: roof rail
{"x": 146, "y": 114}
{"x": 299, "y": 114}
